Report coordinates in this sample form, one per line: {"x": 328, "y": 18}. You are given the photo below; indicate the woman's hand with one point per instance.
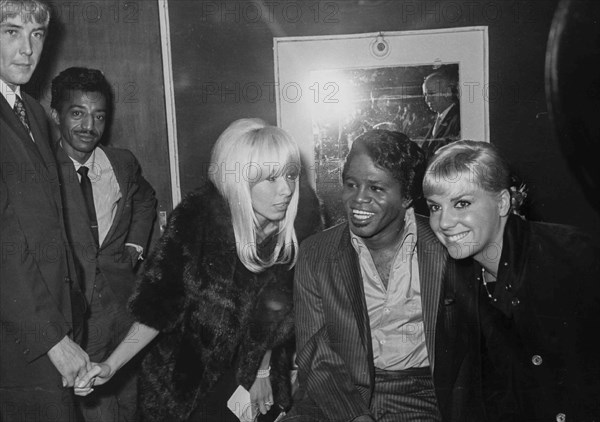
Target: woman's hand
{"x": 261, "y": 394}
{"x": 99, "y": 374}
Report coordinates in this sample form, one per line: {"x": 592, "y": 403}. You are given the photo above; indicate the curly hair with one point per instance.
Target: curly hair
{"x": 395, "y": 152}
{"x": 79, "y": 79}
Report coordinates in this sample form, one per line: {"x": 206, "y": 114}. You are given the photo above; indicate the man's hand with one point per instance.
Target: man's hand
{"x": 69, "y": 359}
{"x": 132, "y": 255}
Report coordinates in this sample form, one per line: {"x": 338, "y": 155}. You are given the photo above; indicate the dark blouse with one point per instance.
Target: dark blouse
{"x": 498, "y": 332}
{"x": 539, "y": 361}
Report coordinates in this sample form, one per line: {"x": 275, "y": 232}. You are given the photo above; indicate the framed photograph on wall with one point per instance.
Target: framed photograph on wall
{"x": 330, "y": 89}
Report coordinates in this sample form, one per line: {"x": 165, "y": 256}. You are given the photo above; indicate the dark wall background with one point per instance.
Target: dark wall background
{"x": 121, "y": 38}
{"x": 222, "y": 49}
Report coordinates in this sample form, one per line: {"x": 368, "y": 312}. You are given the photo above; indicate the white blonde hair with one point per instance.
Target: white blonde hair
{"x": 248, "y": 144}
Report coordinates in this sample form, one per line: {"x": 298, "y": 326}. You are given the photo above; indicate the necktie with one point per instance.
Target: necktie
{"x": 19, "y": 110}
{"x": 436, "y": 125}
{"x": 88, "y": 196}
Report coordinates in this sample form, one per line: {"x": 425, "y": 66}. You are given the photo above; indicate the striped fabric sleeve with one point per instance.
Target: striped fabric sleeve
{"x": 322, "y": 371}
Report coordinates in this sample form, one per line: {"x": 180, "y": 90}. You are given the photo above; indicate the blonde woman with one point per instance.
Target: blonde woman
{"x": 217, "y": 290}
{"x": 535, "y": 286}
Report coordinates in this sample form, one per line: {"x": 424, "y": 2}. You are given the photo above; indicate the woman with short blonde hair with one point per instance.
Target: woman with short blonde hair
{"x": 535, "y": 286}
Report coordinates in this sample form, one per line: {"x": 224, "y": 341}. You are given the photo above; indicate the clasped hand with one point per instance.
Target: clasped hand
{"x": 69, "y": 359}
{"x": 98, "y": 374}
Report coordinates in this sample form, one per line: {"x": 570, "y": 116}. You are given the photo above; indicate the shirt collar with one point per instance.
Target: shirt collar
{"x": 444, "y": 113}
{"x": 90, "y": 162}
{"x": 8, "y": 93}
{"x": 410, "y": 228}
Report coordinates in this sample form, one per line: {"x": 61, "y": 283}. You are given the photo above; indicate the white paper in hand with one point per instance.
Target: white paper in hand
{"x": 239, "y": 404}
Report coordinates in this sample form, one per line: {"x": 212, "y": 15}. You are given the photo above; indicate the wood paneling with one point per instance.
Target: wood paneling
{"x": 122, "y": 39}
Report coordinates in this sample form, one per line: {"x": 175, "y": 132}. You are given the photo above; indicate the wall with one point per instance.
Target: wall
{"x": 222, "y": 47}
{"x": 122, "y": 39}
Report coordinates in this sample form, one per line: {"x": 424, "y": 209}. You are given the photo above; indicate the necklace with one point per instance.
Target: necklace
{"x": 485, "y": 285}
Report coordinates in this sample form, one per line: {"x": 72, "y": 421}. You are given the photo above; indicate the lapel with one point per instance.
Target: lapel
{"x": 38, "y": 154}
{"x": 443, "y": 126}
{"x": 429, "y": 134}
{"x": 123, "y": 181}
{"x": 432, "y": 258}
{"x": 72, "y": 189}
{"x": 35, "y": 125}
{"x": 38, "y": 121}
{"x": 14, "y": 125}
{"x": 347, "y": 272}
{"x": 435, "y": 130}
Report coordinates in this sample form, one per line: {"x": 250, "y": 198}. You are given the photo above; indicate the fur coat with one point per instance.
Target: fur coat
{"x": 207, "y": 316}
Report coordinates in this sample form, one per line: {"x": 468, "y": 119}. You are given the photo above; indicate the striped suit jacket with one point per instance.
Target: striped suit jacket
{"x": 334, "y": 350}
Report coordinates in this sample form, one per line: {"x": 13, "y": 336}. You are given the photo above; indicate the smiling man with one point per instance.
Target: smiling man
{"x": 377, "y": 323}
{"x": 109, "y": 212}
{"x": 41, "y": 305}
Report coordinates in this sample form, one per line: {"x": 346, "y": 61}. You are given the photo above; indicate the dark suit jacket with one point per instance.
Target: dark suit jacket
{"x": 136, "y": 211}
{"x": 334, "y": 351}
{"x": 448, "y": 131}
{"x": 36, "y": 288}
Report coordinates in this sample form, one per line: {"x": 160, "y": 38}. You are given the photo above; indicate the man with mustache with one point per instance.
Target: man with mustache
{"x": 109, "y": 212}
{"x": 41, "y": 304}
{"x": 380, "y": 332}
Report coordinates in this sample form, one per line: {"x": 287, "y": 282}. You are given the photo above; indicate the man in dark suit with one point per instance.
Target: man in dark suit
{"x": 41, "y": 305}
{"x": 109, "y": 210}
{"x": 440, "y": 90}
{"x": 377, "y": 324}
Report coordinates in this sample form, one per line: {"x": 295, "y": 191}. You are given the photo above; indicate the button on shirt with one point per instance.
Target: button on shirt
{"x": 105, "y": 188}
{"x": 395, "y": 313}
